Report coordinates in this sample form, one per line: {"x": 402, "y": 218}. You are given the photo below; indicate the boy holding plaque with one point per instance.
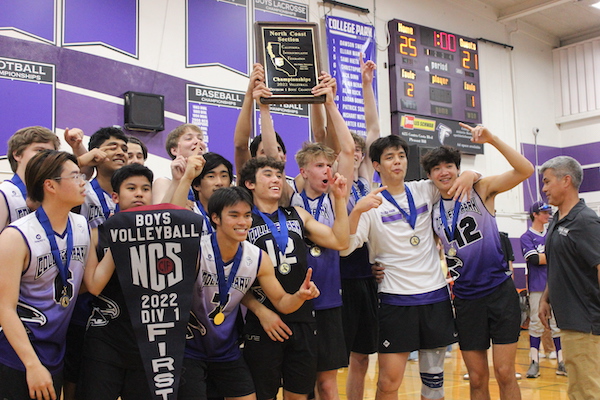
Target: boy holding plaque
{"x": 415, "y": 312}
{"x": 228, "y": 267}
{"x": 42, "y": 257}
{"x": 284, "y": 347}
{"x": 486, "y": 301}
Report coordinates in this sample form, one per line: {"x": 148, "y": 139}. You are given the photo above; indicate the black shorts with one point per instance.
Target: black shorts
{"x": 404, "y": 329}
{"x": 495, "y": 317}
{"x": 330, "y": 338}
{"x": 293, "y": 361}
{"x": 220, "y": 379}
{"x": 107, "y": 374}
{"x": 73, "y": 352}
{"x": 359, "y": 315}
{"x": 13, "y": 383}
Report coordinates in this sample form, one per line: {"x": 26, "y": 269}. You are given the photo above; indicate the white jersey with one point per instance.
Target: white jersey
{"x": 92, "y": 208}
{"x": 42, "y": 290}
{"x": 211, "y": 342}
{"x": 409, "y": 269}
{"x": 15, "y": 202}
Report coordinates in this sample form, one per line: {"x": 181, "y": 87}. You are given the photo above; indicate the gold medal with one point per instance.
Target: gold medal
{"x": 414, "y": 240}
{"x": 315, "y": 251}
{"x": 451, "y": 251}
{"x": 284, "y": 268}
{"x": 219, "y": 318}
{"x": 64, "y": 301}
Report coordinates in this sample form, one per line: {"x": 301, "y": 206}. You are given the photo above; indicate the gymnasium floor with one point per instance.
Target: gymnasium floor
{"x": 548, "y": 386}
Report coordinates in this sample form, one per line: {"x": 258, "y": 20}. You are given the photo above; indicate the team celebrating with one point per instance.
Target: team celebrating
{"x": 293, "y": 278}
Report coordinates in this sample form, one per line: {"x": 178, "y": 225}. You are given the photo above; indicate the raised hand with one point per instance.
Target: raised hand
{"x": 308, "y": 290}
{"x": 74, "y": 137}
{"x": 367, "y": 70}
{"x": 371, "y": 200}
{"x": 479, "y": 134}
{"x": 338, "y": 185}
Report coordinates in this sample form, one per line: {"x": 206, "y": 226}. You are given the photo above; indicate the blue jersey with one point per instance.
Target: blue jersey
{"x": 533, "y": 242}
{"x": 325, "y": 263}
{"x": 39, "y": 305}
{"x": 478, "y": 266}
{"x": 95, "y": 202}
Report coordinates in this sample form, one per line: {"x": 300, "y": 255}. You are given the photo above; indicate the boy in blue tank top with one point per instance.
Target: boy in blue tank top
{"x": 486, "y": 301}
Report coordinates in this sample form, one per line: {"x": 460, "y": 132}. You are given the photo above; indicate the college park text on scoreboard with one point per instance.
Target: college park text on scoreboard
{"x": 435, "y": 73}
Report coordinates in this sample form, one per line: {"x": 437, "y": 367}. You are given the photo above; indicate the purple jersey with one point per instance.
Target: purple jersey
{"x": 206, "y": 340}
{"x": 325, "y": 263}
{"x": 39, "y": 305}
{"x": 478, "y": 266}
{"x": 533, "y": 242}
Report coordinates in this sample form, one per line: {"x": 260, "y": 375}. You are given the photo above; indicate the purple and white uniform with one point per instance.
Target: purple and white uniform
{"x": 206, "y": 340}
{"x": 39, "y": 305}
{"x": 478, "y": 267}
{"x": 14, "y": 193}
{"x": 326, "y": 266}
{"x": 97, "y": 204}
{"x": 534, "y": 242}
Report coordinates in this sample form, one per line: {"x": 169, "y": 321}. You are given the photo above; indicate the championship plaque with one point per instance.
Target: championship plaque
{"x": 290, "y": 54}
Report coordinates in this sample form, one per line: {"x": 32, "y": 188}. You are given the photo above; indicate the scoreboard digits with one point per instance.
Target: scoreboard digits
{"x": 435, "y": 73}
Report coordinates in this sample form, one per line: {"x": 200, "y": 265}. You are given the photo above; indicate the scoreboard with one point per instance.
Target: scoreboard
{"x": 433, "y": 73}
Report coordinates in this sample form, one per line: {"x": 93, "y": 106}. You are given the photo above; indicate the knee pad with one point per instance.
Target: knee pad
{"x": 431, "y": 368}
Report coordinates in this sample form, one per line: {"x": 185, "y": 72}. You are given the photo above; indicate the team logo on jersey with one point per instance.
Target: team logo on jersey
{"x": 30, "y": 315}
{"x": 95, "y": 212}
{"x": 22, "y": 211}
{"x": 455, "y": 265}
{"x": 103, "y": 312}
{"x": 46, "y": 262}
{"x": 194, "y": 325}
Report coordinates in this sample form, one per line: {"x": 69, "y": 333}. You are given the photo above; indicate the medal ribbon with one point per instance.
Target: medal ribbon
{"x": 191, "y": 196}
{"x": 225, "y": 283}
{"x": 281, "y": 235}
{"x": 411, "y": 216}
{"x": 100, "y": 193}
{"x": 209, "y": 228}
{"x": 307, "y": 205}
{"x": 361, "y": 192}
{"x": 16, "y": 180}
{"x": 450, "y": 230}
{"x": 45, "y": 222}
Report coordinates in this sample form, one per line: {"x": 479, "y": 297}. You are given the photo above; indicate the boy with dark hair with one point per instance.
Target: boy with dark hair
{"x": 413, "y": 291}
{"x": 22, "y": 146}
{"x": 533, "y": 245}
{"x": 485, "y": 299}
{"x": 137, "y": 152}
{"x": 112, "y": 364}
{"x": 280, "y": 231}
{"x": 40, "y": 277}
{"x": 213, "y": 355}
{"x": 99, "y": 204}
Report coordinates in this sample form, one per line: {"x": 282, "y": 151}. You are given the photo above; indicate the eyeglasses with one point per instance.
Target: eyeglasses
{"x": 75, "y": 177}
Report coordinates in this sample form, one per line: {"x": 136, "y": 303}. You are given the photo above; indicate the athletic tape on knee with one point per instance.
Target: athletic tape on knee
{"x": 431, "y": 368}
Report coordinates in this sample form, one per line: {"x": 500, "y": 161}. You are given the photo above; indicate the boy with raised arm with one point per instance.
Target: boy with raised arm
{"x": 486, "y": 301}
{"x": 228, "y": 266}
{"x": 415, "y": 311}
{"x": 284, "y": 346}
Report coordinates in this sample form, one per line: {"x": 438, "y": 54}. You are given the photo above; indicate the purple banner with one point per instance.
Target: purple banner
{"x": 215, "y": 111}
{"x": 217, "y": 33}
{"x": 32, "y": 17}
{"x": 111, "y": 23}
{"x": 27, "y": 96}
{"x": 346, "y": 39}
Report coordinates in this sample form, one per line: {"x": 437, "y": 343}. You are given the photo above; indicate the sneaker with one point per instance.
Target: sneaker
{"x": 466, "y": 377}
{"x": 552, "y": 355}
{"x": 534, "y": 370}
{"x": 448, "y": 354}
{"x": 561, "y": 370}
{"x": 541, "y": 355}
{"x": 518, "y": 375}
